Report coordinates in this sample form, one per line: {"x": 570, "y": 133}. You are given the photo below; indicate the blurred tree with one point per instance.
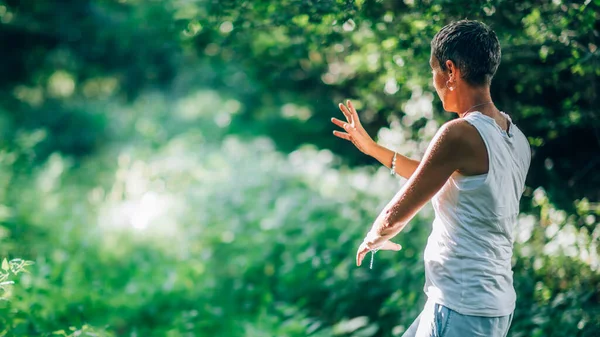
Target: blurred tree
{"x": 288, "y": 62}
{"x": 113, "y": 111}
{"x": 316, "y": 53}
{"x": 64, "y": 58}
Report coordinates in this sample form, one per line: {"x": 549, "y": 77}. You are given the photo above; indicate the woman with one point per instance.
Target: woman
{"x": 474, "y": 171}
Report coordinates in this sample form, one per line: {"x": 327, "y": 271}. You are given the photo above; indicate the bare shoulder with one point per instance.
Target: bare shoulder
{"x": 459, "y": 142}
{"x": 458, "y": 132}
{"x": 466, "y": 145}
{"x": 449, "y": 142}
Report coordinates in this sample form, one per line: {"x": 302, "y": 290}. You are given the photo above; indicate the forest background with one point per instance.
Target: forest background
{"x": 169, "y": 169}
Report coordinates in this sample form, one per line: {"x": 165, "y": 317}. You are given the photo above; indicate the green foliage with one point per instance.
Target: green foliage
{"x": 84, "y": 331}
{"x": 12, "y": 267}
{"x": 304, "y": 56}
{"x": 234, "y": 238}
{"x": 169, "y": 165}
{"x": 240, "y": 215}
{"x": 378, "y": 51}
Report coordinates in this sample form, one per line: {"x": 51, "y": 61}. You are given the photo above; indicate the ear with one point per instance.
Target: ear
{"x": 453, "y": 70}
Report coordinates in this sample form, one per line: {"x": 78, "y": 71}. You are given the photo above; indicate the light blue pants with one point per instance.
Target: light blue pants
{"x": 437, "y": 320}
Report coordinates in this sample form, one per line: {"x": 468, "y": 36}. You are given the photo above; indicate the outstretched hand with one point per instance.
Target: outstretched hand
{"x": 363, "y": 250}
{"x": 355, "y": 132}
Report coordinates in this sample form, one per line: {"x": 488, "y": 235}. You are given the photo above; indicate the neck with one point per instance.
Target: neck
{"x": 473, "y": 99}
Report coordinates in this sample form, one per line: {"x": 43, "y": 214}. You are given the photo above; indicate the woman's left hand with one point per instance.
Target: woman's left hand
{"x": 363, "y": 250}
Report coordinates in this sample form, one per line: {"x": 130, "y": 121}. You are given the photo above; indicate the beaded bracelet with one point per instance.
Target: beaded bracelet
{"x": 372, "y": 255}
{"x": 393, "y": 169}
{"x": 373, "y": 251}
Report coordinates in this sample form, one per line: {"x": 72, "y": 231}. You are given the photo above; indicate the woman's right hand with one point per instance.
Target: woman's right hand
{"x": 354, "y": 130}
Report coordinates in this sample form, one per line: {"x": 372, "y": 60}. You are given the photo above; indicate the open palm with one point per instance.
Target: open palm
{"x": 354, "y": 129}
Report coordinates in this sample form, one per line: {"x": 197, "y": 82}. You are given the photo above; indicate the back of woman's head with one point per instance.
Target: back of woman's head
{"x": 472, "y": 46}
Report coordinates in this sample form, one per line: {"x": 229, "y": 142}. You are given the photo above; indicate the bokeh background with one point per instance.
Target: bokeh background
{"x": 169, "y": 166}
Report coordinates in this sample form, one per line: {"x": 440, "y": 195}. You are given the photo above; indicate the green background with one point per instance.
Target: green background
{"x": 169, "y": 166}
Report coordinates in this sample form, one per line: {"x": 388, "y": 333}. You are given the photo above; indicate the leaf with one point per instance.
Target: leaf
{"x": 5, "y": 264}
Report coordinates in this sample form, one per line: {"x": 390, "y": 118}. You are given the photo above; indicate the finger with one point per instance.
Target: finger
{"x": 338, "y": 122}
{"x": 346, "y": 112}
{"x": 342, "y": 124}
{"x": 342, "y": 135}
{"x": 360, "y": 254}
{"x": 359, "y": 258}
{"x": 353, "y": 112}
{"x": 388, "y": 245}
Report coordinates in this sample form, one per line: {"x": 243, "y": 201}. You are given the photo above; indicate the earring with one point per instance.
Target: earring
{"x": 450, "y": 87}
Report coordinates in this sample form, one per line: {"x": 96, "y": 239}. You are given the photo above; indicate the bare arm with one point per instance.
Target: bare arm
{"x": 446, "y": 153}
{"x": 405, "y": 167}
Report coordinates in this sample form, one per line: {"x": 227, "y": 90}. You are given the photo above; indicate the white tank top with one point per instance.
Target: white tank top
{"x": 468, "y": 254}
